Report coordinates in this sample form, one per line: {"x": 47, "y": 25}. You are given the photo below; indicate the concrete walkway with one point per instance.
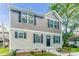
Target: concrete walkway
{"x": 63, "y": 54}
{"x": 71, "y": 54}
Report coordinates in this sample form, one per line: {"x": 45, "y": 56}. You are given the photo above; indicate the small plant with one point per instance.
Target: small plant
{"x": 43, "y": 51}
{"x": 59, "y": 49}
{"x": 13, "y": 53}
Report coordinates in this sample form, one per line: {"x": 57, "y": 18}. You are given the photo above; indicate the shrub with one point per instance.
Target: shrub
{"x": 73, "y": 46}
{"x": 13, "y": 53}
{"x": 43, "y": 51}
{"x": 32, "y": 52}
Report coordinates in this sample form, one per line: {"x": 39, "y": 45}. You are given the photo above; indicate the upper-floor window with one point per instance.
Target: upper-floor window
{"x": 20, "y": 34}
{"x": 27, "y": 18}
{"x": 53, "y": 24}
{"x": 24, "y": 18}
{"x": 38, "y": 38}
{"x": 56, "y": 24}
{"x": 30, "y": 19}
{"x": 50, "y": 23}
{"x": 56, "y": 39}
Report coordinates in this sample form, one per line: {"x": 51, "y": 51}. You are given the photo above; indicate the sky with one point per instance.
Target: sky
{"x": 40, "y": 8}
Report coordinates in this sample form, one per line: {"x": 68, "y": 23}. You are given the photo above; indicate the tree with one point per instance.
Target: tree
{"x": 70, "y": 14}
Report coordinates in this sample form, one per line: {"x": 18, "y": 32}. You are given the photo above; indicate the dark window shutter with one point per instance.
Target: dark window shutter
{"x": 41, "y": 38}
{"x": 33, "y": 38}
{"x": 59, "y": 39}
{"x": 34, "y": 20}
{"x": 16, "y": 34}
{"x": 48, "y": 22}
{"x": 54, "y": 39}
{"x": 24, "y": 35}
{"x": 58, "y": 25}
{"x": 19, "y": 17}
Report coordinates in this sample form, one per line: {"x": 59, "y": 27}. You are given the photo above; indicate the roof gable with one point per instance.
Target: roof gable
{"x": 54, "y": 15}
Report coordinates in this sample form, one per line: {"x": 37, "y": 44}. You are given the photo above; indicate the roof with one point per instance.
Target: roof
{"x": 31, "y": 12}
{"x": 25, "y": 11}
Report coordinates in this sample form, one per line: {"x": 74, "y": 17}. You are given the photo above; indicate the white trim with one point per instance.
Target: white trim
{"x": 58, "y": 16}
{"x": 35, "y": 31}
{"x": 29, "y": 11}
{"x": 9, "y": 29}
{"x": 52, "y": 19}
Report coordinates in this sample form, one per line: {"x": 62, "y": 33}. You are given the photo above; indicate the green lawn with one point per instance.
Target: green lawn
{"x": 74, "y": 49}
{"x": 68, "y": 49}
{"x": 4, "y": 50}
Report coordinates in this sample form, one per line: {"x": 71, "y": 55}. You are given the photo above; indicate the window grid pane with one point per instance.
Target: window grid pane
{"x": 37, "y": 38}
{"x": 21, "y": 35}
{"x": 56, "y": 39}
{"x": 50, "y": 23}
{"x": 53, "y": 24}
{"x": 24, "y": 18}
{"x": 30, "y": 19}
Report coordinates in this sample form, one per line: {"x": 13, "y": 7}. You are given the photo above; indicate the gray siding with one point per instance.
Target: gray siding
{"x": 28, "y": 42}
{"x": 41, "y": 24}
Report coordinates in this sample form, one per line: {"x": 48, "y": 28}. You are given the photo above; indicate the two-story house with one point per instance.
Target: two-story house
{"x": 30, "y": 31}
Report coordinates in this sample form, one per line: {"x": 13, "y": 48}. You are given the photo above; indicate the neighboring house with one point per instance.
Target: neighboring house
{"x": 74, "y": 40}
{"x": 30, "y": 31}
{"x": 76, "y": 32}
{"x": 4, "y": 35}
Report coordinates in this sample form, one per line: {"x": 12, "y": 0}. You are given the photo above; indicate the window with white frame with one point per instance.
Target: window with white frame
{"x": 37, "y": 38}
{"x": 30, "y": 19}
{"x": 20, "y": 34}
{"x": 53, "y": 24}
{"x": 50, "y": 23}
{"x": 56, "y": 24}
{"x": 56, "y": 39}
{"x": 24, "y": 18}
{"x": 27, "y": 18}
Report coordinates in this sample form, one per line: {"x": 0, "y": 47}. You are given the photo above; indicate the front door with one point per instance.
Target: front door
{"x": 48, "y": 41}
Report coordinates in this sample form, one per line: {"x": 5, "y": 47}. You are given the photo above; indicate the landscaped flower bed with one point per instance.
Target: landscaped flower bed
{"x": 35, "y": 54}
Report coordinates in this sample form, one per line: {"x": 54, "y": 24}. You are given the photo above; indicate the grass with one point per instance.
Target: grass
{"x": 36, "y": 54}
{"x": 74, "y": 49}
{"x": 4, "y": 50}
{"x": 68, "y": 49}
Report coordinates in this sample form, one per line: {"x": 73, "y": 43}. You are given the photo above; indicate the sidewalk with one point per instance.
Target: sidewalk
{"x": 71, "y": 54}
{"x": 64, "y": 54}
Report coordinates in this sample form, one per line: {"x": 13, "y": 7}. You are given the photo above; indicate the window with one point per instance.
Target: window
{"x": 24, "y": 18}
{"x": 38, "y": 38}
{"x": 56, "y": 39}
{"x": 30, "y": 19}
{"x": 50, "y": 23}
{"x": 27, "y": 18}
{"x": 19, "y": 34}
{"x": 53, "y": 24}
{"x": 56, "y": 24}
